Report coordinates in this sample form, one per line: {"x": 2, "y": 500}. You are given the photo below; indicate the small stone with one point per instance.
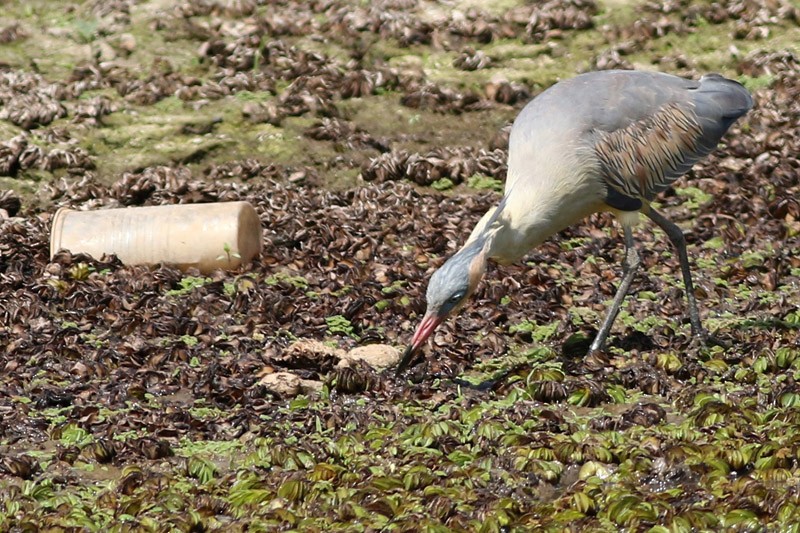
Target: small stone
{"x": 733, "y": 164}
{"x": 104, "y": 51}
{"x": 127, "y": 42}
{"x": 310, "y": 386}
{"x": 80, "y": 369}
{"x": 313, "y": 346}
{"x": 378, "y": 356}
{"x": 284, "y": 384}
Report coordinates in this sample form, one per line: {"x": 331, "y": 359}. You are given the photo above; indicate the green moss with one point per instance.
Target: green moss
{"x": 72, "y": 434}
{"x": 281, "y": 277}
{"x": 187, "y": 284}
{"x": 397, "y": 286}
{"x": 189, "y": 340}
{"x": 442, "y": 184}
{"x": 338, "y": 324}
{"x": 437, "y": 455}
{"x": 538, "y": 333}
{"x": 753, "y": 259}
{"x": 757, "y": 83}
{"x": 574, "y": 243}
{"x": 484, "y": 182}
{"x": 714, "y": 243}
{"x": 695, "y": 197}
{"x": 193, "y": 448}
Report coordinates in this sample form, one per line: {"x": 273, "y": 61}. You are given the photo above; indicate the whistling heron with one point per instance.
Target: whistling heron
{"x": 601, "y": 141}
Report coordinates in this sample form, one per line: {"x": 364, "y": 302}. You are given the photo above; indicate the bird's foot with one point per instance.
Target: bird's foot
{"x": 596, "y": 347}
{"x": 596, "y": 360}
{"x": 496, "y": 381}
{"x": 701, "y": 337}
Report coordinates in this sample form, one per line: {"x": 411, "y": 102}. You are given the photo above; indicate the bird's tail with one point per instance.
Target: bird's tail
{"x": 718, "y": 103}
{"x": 727, "y": 99}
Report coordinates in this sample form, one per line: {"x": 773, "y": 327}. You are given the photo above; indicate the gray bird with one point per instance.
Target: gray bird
{"x": 601, "y": 141}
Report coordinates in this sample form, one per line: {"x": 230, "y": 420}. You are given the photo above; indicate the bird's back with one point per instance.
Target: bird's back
{"x": 613, "y": 99}
{"x": 646, "y": 128}
{"x": 605, "y": 140}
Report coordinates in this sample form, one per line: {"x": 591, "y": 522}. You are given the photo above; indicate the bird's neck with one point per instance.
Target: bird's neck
{"x": 522, "y": 221}
{"x": 504, "y": 241}
{"x": 510, "y": 242}
{"x": 532, "y": 217}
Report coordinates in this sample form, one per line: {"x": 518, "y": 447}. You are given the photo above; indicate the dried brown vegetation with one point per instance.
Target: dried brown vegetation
{"x": 123, "y": 386}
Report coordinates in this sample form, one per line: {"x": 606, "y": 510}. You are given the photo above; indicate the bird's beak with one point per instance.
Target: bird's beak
{"x": 429, "y": 323}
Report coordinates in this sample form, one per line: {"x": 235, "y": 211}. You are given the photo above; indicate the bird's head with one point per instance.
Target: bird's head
{"x": 449, "y": 289}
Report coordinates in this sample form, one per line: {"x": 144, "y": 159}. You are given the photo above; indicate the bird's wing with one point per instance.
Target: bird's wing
{"x": 643, "y": 157}
{"x": 646, "y": 156}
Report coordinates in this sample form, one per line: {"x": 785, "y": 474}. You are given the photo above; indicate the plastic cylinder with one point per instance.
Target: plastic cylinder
{"x": 210, "y": 236}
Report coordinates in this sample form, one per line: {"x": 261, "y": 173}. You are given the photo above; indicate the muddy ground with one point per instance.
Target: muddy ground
{"x": 370, "y": 137}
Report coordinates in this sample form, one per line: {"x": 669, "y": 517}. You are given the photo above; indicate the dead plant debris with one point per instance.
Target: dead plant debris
{"x": 259, "y": 399}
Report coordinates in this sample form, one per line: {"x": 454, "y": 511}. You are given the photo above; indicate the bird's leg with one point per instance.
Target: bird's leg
{"x": 676, "y": 236}
{"x": 629, "y": 267}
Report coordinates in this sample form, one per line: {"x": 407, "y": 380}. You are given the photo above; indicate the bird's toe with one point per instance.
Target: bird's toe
{"x": 704, "y": 338}
{"x": 596, "y": 359}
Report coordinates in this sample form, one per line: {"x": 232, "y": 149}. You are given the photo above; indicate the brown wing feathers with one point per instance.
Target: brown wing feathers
{"x": 646, "y": 156}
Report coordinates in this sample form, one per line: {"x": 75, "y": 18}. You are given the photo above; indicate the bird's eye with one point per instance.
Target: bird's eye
{"x": 456, "y": 297}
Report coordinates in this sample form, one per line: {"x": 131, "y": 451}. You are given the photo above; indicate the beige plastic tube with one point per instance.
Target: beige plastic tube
{"x": 204, "y": 236}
